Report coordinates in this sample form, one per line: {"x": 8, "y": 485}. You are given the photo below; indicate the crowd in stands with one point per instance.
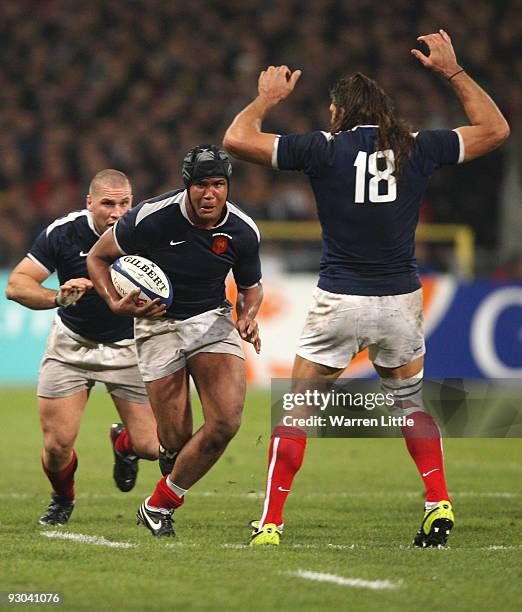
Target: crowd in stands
{"x": 132, "y": 85}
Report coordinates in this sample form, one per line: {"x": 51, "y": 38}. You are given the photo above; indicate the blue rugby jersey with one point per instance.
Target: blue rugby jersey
{"x": 63, "y": 246}
{"x": 368, "y": 218}
{"x": 196, "y": 260}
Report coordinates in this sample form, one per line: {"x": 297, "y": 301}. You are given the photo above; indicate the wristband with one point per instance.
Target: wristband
{"x": 455, "y": 74}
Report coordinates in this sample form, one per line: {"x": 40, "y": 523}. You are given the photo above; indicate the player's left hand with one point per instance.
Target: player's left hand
{"x": 442, "y": 57}
{"x": 71, "y": 291}
{"x": 276, "y": 83}
{"x": 249, "y": 331}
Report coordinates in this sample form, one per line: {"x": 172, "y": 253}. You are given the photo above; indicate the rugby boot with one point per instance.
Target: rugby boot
{"x": 158, "y": 521}
{"x": 269, "y": 535}
{"x": 58, "y": 512}
{"x": 125, "y": 470}
{"x": 436, "y": 526}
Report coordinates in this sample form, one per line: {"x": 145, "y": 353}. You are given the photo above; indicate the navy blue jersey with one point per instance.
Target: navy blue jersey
{"x": 63, "y": 247}
{"x": 196, "y": 260}
{"x": 368, "y": 218}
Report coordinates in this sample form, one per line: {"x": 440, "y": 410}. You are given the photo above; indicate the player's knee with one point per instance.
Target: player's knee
{"x": 221, "y": 431}
{"x": 58, "y": 449}
{"x": 406, "y": 394}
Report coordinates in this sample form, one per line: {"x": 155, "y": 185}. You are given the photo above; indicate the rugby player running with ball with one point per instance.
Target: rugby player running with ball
{"x": 196, "y": 236}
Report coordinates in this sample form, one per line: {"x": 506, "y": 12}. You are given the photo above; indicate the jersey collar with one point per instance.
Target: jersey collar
{"x": 183, "y": 208}
{"x": 362, "y": 126}
{"x": 90, "y": 222}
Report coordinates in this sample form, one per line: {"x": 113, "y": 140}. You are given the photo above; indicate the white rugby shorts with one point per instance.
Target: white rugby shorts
{"x": 165, "y": 345}
{"x": 339, "y": 326}
{"x": 72, "y": 363}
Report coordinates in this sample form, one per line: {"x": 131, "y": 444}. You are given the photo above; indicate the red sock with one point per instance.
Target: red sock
{"x": 63, "y": 481}
{"x": 123, "y": 444}
{"x": 285, "y": 457}
{"x": 425, "y": 446}
{"x": 164, "y": 496}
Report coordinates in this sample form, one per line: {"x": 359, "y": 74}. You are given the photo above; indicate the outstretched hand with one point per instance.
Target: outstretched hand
{"x": 129, "y": 306}
{"x": 441, "y": 59}
{"x": 276, "y": 83}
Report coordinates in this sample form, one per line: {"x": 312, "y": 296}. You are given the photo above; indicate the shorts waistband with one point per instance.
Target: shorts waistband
{"x": 88, "y": 341}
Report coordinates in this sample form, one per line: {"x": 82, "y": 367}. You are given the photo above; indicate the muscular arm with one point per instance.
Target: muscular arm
{"x": 244, "y": 138}
{"x": 248, "y": 303}
{"x": 25, "y": 287}
{"x": 99, "y": 260}
{"x": 488, "y": 128}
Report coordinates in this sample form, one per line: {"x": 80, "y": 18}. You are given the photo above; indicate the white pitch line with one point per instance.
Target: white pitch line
{"x": 297, "y": 546}
{"x": 260, "y": 494}
{"x": 301, "y": 546}
{"x": 327, "y": 546}
{"x": 101, "y": 541}
{"x": 86, "y": 539}
{"x": 504, "y": 494}
{"x": 374, "y": 585}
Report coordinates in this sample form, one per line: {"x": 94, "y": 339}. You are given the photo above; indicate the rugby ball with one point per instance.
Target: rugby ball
{"x": 132, "y": 272}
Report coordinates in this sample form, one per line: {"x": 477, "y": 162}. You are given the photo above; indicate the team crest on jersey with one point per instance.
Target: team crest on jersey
{"x": 220, "y": 245}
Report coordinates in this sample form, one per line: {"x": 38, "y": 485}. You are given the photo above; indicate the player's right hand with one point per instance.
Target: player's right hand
{"x": 127, "y": 306}
{"x": 71, "y": 291}
{"x": 277, "y": 82}
{"x": 249, "y": 330}
{"x": 442, "y": 57}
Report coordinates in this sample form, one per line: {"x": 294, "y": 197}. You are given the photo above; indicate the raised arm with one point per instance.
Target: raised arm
{"x": 99, "y": 260}
{"x": 488, "y": 128}
{"x": 25, "y": 287}
{"x": 244, "y": 138}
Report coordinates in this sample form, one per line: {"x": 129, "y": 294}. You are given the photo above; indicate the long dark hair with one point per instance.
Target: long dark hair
{"x": 360, "y": 101}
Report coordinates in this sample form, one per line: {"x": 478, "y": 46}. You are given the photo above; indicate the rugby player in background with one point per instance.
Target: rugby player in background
{"x": 196, "y": 236}
{"x": 368, "y": 174}
{"x": 88, "y": 343}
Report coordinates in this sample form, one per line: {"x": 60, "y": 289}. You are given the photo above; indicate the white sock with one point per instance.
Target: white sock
{"x": 174, "y": 487}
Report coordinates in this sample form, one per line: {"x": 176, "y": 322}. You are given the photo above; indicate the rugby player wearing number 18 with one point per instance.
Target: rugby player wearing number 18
{"x": 368, "y": 175}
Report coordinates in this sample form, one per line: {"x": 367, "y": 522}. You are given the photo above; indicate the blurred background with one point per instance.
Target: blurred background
{"x": 132, "y": 85}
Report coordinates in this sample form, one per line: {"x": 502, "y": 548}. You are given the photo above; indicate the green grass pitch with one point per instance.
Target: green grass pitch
{"x": 353, "y": 513}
